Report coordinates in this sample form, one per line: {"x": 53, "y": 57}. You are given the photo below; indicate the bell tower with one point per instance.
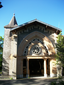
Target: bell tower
{"x": 7, "y": 46}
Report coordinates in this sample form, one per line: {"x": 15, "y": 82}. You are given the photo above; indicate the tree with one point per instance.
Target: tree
{"x": 1, "y": 50}
{"x": 0, "y": 5}
{"x": 60, "y": 50}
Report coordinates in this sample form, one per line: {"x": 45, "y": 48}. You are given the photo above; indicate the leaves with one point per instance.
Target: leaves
{"x": 0, "y": 5}
{"x": 60, "y": 49}
{"x": 1, "y": 49}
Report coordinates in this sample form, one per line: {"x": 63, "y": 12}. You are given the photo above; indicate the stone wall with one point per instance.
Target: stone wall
{"x": 51, "y": 35}
{"x": 6, "y": 52}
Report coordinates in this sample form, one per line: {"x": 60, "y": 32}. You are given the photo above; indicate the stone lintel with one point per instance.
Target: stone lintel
{"x": 37, "y": 57}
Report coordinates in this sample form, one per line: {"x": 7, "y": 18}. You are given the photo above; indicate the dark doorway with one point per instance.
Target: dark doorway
{"x": 24, "y": 67}
{"x": 48, "y": 67}
{"x": 62, "y": 71}
{"x": 36, "y": 67}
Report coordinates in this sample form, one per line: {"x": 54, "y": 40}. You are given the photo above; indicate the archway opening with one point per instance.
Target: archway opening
{"x": 24, "y": 67}
{"x": 36, "y": 67}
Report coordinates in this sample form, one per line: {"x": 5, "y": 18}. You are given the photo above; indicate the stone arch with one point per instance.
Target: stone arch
{"x": 36, "y": 43}
{"x": 40, "y": 46}
{"x": 33, "y": 35}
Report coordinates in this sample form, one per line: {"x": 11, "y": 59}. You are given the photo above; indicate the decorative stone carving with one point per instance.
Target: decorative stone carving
{"x": 36, "y": 50}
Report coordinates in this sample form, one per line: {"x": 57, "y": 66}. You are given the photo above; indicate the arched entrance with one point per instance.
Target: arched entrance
{"x": 39, "y": 38}
{"x": 34, "y": 52}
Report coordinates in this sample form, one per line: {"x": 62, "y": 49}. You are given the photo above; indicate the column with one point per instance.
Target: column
{"x": 27, "y": 74}
{"x": 51, "y": 74}
{"x": 45, "y": 68}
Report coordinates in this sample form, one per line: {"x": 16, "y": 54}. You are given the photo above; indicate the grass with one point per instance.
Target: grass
{"x": 11, "y": 78}
{"x": 0, "y": 72}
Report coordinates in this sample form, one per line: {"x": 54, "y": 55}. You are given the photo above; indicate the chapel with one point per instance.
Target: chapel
{"x": 29, "y": 49}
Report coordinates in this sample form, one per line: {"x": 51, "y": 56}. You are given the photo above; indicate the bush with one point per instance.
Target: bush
{"x": 60, "y": 77}
{"x": 53, "y": 83}
{"x": 11, "y": 78}
{"x": 60, "y": 83}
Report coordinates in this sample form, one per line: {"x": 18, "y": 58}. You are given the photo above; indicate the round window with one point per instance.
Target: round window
{"x": 36, "y": 49}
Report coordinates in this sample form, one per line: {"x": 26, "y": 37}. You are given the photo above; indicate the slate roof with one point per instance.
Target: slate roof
{"x": 12, "y": 23}
{"x": 35, "y": 20}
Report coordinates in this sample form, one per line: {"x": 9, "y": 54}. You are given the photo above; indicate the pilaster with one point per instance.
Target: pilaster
{"x": 45, "y": 68}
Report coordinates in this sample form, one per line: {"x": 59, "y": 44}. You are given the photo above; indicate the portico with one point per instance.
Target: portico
{"x": 44, "y": 71}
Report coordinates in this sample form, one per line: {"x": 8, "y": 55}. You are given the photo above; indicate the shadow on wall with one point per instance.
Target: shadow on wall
{"x": 5, "y": 68}
{"x": 54, "y": 70}
{"x": 14, "y": 74}
{"x": 51, "y": 49}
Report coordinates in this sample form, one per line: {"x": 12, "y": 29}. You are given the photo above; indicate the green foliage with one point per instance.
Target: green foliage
{"x": 60, "y": 77}
{"x": 29, "y": 77}
{"x": 11, "y": 78}
{"x": 53, "y": 83}
{"x": 60, "y": 83}
{"x": 60, "y": 49}
{"x": 1, "y": 50}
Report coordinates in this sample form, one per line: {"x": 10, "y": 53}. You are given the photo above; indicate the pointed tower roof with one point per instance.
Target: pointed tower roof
{"x": 12, "y": 23}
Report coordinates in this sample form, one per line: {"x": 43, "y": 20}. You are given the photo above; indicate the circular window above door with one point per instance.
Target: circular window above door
{"x": 36, "y": 50}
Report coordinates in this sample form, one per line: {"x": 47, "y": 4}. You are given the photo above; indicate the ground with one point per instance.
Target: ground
{"x": 29, "y": 81}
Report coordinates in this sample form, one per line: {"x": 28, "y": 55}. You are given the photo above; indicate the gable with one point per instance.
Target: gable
{"x": 35, "y": 23}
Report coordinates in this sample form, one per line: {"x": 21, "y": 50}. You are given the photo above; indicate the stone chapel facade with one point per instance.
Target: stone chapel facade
{"x": 29, "y": 49}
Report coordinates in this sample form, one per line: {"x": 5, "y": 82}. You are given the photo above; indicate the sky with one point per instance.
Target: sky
{"x": 48, "y": 11}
